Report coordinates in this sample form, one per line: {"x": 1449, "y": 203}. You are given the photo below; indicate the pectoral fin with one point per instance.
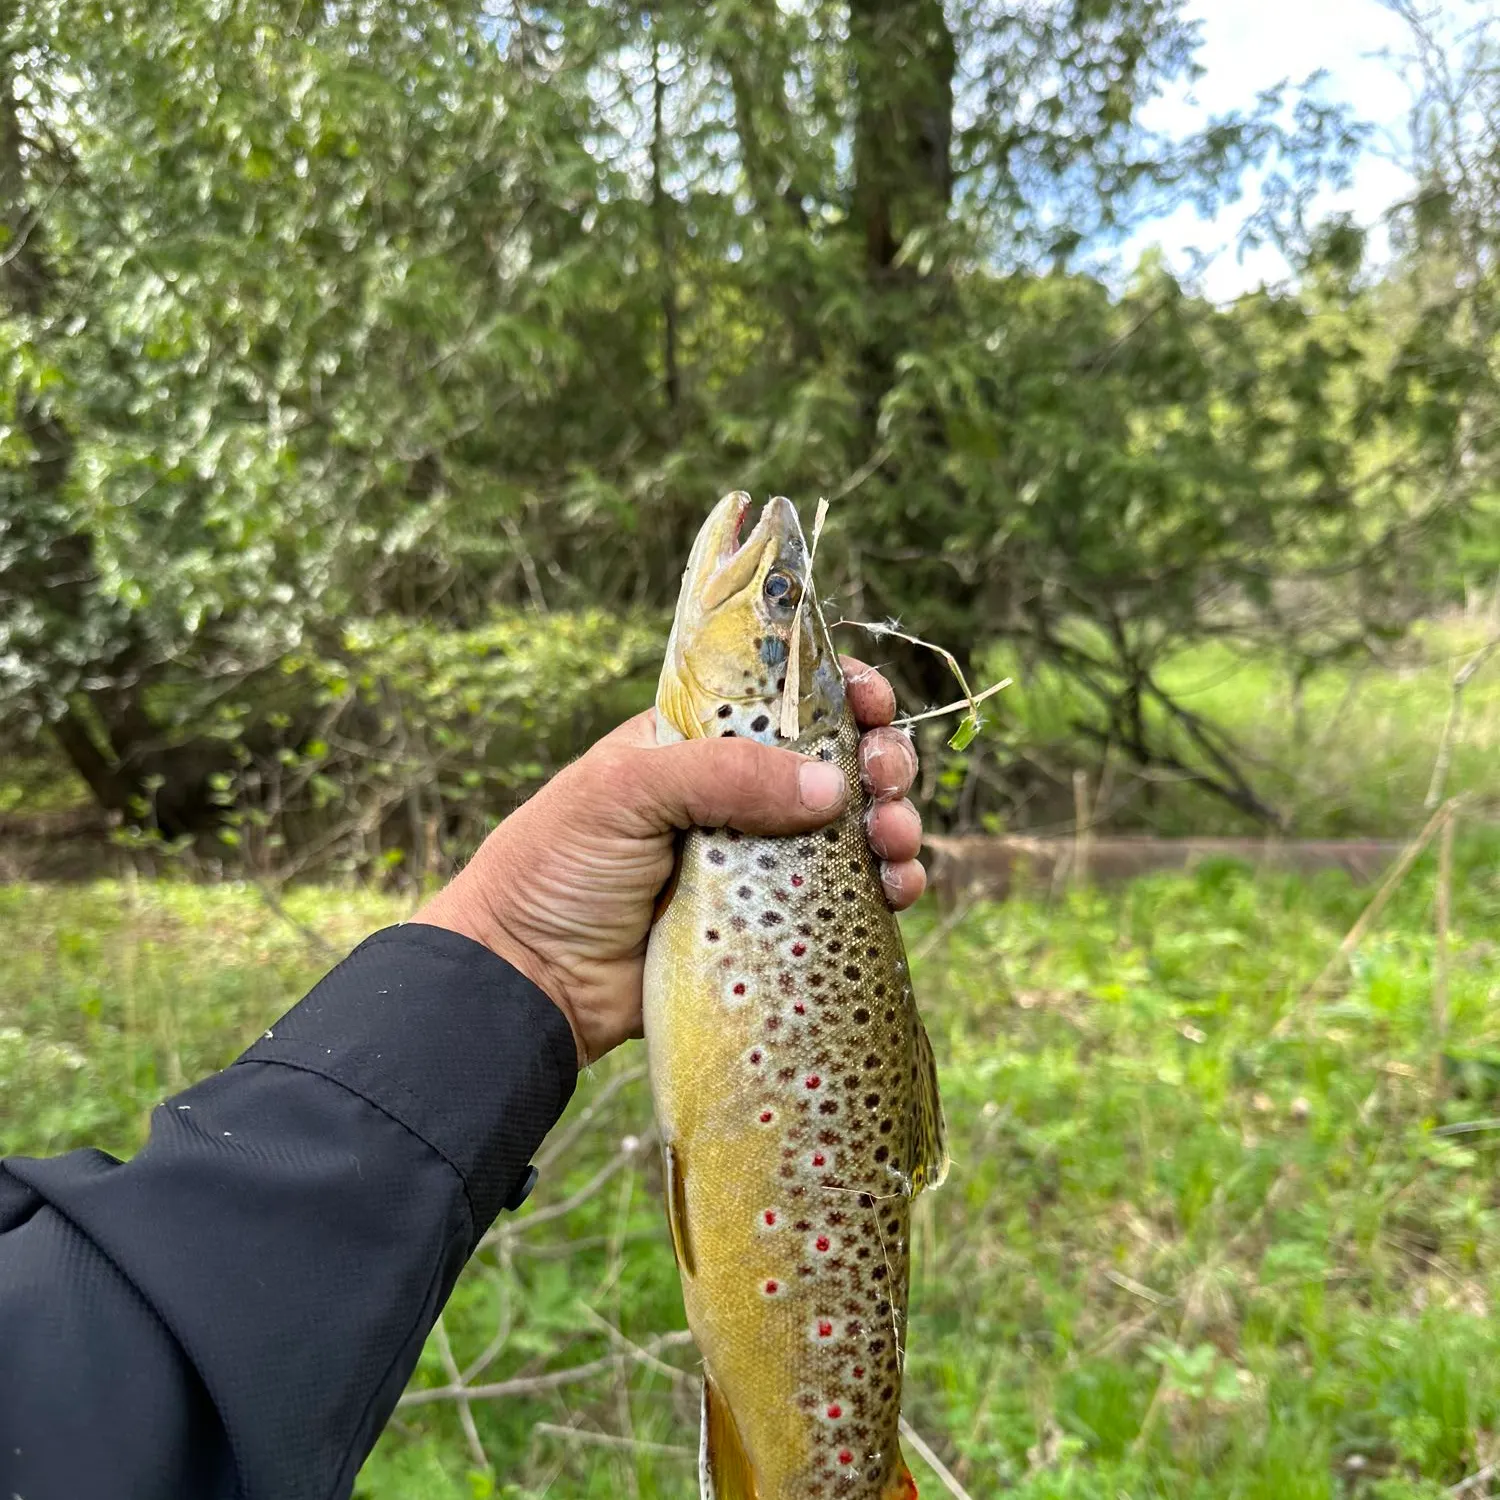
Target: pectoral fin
{"x": 677, "y": 1221}
{"x": 929, "y": 1155}
{"x": 724, "y": 1471}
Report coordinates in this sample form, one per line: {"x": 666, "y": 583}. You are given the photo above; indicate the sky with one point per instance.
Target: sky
{"x": 1249, "y": 45}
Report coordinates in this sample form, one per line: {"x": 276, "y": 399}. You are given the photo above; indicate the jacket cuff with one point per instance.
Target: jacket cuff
{"x": 448, "y": 1039}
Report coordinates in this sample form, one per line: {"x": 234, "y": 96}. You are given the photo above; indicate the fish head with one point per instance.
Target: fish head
{"x": 747, "y": 603}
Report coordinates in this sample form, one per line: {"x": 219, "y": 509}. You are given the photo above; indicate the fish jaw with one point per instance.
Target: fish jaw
{"x": 738, "y": 620}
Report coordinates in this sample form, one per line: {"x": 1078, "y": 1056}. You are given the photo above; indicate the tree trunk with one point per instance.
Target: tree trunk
{"x": 904, "y": 61}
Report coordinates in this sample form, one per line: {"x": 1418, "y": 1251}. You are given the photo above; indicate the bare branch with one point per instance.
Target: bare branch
{"x": 611, "y": 1440}
{"x": 552, "y": 1380}
{"x": 933, "y": 1462}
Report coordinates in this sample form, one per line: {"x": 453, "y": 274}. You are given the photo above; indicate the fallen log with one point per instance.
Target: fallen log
{"x": 965, "y": 866}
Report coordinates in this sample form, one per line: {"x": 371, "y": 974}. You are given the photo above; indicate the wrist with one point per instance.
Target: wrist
{"x": 460, "y": 907}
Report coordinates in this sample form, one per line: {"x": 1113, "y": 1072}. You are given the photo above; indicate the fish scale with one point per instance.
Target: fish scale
{"x": 797, "y": 1101}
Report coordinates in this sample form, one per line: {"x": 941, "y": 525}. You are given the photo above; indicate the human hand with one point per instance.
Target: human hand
{"x": 566, "y": 887}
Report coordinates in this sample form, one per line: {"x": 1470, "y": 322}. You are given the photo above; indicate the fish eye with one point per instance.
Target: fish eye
{"x": 781, "y": 588}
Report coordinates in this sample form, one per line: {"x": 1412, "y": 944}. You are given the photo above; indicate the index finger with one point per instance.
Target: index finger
{"x": 871, "y": 698}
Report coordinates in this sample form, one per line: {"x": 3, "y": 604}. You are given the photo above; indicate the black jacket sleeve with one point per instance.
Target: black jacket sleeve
{"x": 234, "y": 1312}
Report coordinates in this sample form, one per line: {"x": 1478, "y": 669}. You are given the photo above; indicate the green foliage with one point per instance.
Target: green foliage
{"x": 1179, "y": 1255}
{"x": 418, "y": 315}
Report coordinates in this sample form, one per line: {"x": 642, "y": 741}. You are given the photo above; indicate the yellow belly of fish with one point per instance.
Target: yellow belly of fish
{"x": 782, "y": 1037}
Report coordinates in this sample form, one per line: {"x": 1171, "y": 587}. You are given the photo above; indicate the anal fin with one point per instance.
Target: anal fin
{"x": 677, "y": 1222}
{"x": 902, "y": 1485}
{"x": 724, "y": 1471}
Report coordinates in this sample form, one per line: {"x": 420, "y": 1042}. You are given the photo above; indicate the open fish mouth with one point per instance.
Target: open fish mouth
{"x": 742, "y": 504}
{"x": 724, "y": 560}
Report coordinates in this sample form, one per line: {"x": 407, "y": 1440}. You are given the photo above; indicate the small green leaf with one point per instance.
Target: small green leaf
{"x": 966, "y": 733}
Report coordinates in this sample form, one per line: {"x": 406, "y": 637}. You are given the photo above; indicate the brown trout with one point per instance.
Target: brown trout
{"x": 794, "y": 1083}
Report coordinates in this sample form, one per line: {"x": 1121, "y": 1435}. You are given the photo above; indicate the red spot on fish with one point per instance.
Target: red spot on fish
{"x": 798, "y": 949}
{"x": 770, "y": 1216}
{"x": 772, "y": 1287}
{"x": 755, "y": 1056}
{"x": 800, "y": 1008}
{"x": 813, "y": 1081}
{"x": 766, "y": 1117}
{"x": 739, "y": 989}
{"x": 822, "y": 1243}
{"x": 845, "y": 1456}
{"x": 859, "y": 1372}
{"x": 819, "y": 1159}
{"x": 825, "y": 1329}
{"x": 835, "y": 1411}
{"x": 797, "y": 880}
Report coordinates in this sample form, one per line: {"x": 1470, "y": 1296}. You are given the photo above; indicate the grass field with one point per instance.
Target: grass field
{"x": 1179, "y": 1255}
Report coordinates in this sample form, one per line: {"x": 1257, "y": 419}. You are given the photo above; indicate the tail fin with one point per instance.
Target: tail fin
{"x": 902, "y": 1485}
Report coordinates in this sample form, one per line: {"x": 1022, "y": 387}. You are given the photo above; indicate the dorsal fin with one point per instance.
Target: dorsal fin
{"x": 724, "y": 1471}
{"x": 929, "y": 1138}
{"x": 676, "y": 1195}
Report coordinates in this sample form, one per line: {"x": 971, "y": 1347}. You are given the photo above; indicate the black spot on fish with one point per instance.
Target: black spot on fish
{"x": 725, "y": 710}
{"x": 770, "y": 919}
{"x": 729, "y": 734}
{"x": 861, "y": 1015}
{"x": 759, "y": 723}
{"x": 716, "y": 856}
{"x": 831, "y": 835}
{"x": 851, "y": 971}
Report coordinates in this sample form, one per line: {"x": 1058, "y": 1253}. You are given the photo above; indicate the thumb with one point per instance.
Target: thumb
{"x": 733, "y": 782}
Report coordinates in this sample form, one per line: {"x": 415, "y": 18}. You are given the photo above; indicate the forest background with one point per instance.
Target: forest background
{"x": 368, "y": 368}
